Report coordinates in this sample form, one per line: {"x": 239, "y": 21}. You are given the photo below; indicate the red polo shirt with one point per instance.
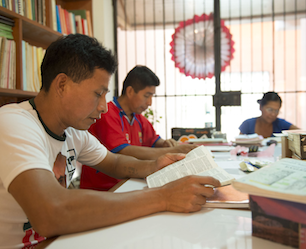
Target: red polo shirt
{"x": 115, "y": 132}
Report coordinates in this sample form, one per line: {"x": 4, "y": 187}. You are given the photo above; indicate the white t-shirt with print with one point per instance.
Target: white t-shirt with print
{"x": 25, "y": 145}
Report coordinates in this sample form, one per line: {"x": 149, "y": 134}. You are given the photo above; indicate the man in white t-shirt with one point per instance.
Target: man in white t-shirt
{"x": 41, "y": 140}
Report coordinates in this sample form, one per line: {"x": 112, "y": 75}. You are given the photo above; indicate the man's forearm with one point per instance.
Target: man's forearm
{"x": 100, "y": 209}
{"x": 122, "y": 166}
{"x": 64, "y": 211}
{"x": 146, "y": 153}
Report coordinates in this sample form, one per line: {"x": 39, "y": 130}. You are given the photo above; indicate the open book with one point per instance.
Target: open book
{"x": 284, "y": 179}
{"x": 199, "y": 161}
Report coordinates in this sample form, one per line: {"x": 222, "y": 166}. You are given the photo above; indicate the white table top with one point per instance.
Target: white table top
{"x": 206, "y": 229}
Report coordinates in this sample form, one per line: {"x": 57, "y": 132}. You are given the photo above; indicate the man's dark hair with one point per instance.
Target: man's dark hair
{"x": 269, "y": 96}
{"x": 139, "y": 78}
{"x": 77, "y": 56}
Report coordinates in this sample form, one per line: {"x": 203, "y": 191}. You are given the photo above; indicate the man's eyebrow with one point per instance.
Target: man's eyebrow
{"x": 105, "y": 89}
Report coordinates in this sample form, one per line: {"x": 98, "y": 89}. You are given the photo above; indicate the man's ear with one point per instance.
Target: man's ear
{"x": 129, "y": 92}
{"x": 60, "y": 83}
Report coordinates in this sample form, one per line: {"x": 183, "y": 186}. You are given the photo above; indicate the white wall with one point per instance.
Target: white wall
{"x": 103, "y": 28}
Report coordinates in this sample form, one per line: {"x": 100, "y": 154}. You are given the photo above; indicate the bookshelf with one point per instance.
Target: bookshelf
{"x": 35, "y": 34}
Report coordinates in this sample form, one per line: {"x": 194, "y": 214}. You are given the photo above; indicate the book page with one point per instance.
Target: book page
{"x": 285, "y": 176}
{"x": 196, "y": 162}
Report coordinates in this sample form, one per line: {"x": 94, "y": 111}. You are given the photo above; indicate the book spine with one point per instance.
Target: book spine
{"x": 89, "y": 24}
{"x": 58, "y": 20}
{"x": 24, "y": 70}
{"x": 67, "y": 22}
{"x": 63, "y": 22}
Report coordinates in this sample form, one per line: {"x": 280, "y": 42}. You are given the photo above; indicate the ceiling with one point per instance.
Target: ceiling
{"x": 169, "y": 12}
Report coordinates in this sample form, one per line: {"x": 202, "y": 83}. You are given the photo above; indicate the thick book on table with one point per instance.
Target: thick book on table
{"x": 227, "y": 197}
{"x": 278, "y": 201}
{"x": 199, "y": 161}
{"x": 280, "y": 221}
{"x": 284, "y": 179}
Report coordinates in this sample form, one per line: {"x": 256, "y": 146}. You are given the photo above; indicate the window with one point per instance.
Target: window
{"x": 270, "y": 55}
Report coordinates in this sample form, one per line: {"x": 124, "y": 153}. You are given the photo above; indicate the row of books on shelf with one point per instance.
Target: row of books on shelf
{"x": 32, "y": 57}
{"x": 32, "y": 9}
{"x": 63, "y": 21}
{"x": 71, "y": 21}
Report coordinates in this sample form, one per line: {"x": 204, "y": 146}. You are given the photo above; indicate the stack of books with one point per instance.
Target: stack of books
{"x": 248, "y": 140}
{"x": 278, "y": 201}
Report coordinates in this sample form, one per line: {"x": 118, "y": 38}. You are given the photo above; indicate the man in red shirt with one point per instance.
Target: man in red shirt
{"x": 124, "y": 130}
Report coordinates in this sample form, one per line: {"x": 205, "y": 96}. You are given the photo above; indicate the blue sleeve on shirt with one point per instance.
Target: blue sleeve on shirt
{"x": 248, "y": 126}
{"x": 280, "y": 124}
{"x": 153, "y": 145}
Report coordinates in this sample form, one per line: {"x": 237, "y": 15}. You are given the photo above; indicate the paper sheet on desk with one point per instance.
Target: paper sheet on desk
{"x": 219, "y": 148}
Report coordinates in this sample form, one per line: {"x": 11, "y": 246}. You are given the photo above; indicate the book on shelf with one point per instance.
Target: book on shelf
{"x": 29, "y": 9}
{"x": 78, "y": 24}
{"x": 3, "y": 55}
{"x": 6, "y": 31}
{"x": 20, "y": 7}
{"x": 29, "y": 69}
{"x": 89, "y": 24}
{"x": 6, "y": 34}
{"x": 36, "y": 82}
{"x": 34, "y": 10}
{"x": 72, "y": 22}
{"x": 54, "y": 16}
{"x": 6, "y": 27}
{"x": 198, "y": 161}
{"x": 40, "y": 11}
{"x": 12, "y": 66}
{"x": 8, "y": 64}
{"x": 7, "y": 21}
{"x": 227, "y": 197}
{"x": 24, "y": 69}
{"x": 40, "y": 55}
{"x": 85, "y": 26}
{"x": 58, "y": 19}
{"x": 67, "y": 21}
{"x": 63, "y": 21}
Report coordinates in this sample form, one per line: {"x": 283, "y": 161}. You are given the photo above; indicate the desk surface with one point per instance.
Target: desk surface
{"x": 208, "y": 228}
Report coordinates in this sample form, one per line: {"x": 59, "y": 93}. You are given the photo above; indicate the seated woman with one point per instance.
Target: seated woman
{"x": 268, "y": 123}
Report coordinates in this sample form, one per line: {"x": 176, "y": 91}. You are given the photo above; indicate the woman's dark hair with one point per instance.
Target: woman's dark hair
{"x": 139, "y": 78}
{"x": 77, "y": 56}
{"x": 269, "y": 96}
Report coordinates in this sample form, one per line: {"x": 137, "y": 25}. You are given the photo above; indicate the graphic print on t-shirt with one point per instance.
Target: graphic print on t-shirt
{"x": 59, "y": 169}
{"x": 71, "y": 163}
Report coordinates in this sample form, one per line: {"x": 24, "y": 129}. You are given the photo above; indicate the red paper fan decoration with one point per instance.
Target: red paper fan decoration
{"x": 192, "y": 47}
